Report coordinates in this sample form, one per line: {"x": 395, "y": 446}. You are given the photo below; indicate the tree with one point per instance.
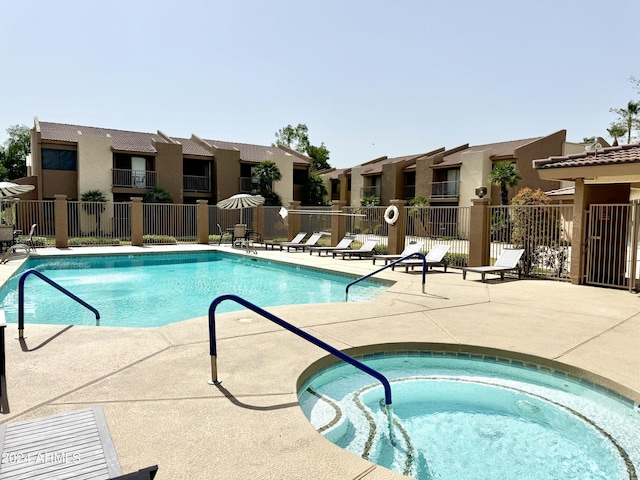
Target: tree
{"x": 298, "y": 138}
{"x": 320, "y": 157}
{"x": 505, "y": 175}
{"x": 588, "y": 139}
{"x": 628, "y": 117}
{"x": 158, "y": 195}
{"x": 315, "y": 190}
{"x": 616, "y": 130}
{"x": 13, "y": 154}
{"x": 268, "y": 172}
{"x": 293, "y": 137}
{"x": 93, "y": 201}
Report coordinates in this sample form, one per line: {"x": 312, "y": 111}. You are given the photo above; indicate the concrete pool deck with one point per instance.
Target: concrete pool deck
{"x": 152, "y": 383}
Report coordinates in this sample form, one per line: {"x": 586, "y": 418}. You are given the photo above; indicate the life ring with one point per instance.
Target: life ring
{"x": 391, "y": 214}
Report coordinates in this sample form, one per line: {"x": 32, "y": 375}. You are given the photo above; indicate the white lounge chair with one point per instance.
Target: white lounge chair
{"x": 435, "y": 257}
{"x": 311, "y": 241}
{"x": 413, "y": 247}
{"x": 295, "y": 241}
{"x": 342, "y": 245}
{"x": 366, "y": 250}
{"x": 508, "y": 260}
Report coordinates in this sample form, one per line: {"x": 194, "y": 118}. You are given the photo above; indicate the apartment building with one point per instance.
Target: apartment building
{"x": 445, "y": 177}
{"x": 72, "y": 159}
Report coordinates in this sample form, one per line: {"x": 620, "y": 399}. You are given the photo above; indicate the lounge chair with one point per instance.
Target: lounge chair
{"x": 435, "y": 257}
{"x": 343, "y": 244}
{"x": 311, "y": 241}
{"x": 76, "y": 444}
{"x": 366, "y": 250}
{"x": 508, "y": 260}
{"x": 297, "y": 240}
{"x": 413, "y": 247}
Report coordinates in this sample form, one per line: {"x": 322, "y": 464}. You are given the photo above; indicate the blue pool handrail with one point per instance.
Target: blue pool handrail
{"x": 391, "y": 264}
{"x": 53, "y": 284}
{"x": 301, "y": 333}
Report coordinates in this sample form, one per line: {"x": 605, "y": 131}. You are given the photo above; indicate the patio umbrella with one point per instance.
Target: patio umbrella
{"x": 9, "y": 189}
{"x": 240, "y": 201}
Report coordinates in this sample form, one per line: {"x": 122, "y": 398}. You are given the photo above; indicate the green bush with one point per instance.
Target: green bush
{"x": 457, "y": 259}
{"x": 35, "y": 241}
{"x": 85, "y": 241}
{"x": 159, "y": 239}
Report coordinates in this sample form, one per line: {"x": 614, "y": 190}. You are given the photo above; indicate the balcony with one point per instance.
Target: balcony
{"x": 409, "y": 192}
{"x": 134, "y": 178}
{"x": 373, "y": 191}
{"x": 445, "y": 189}
{"x": 195, "y": 183}
{"x": 249, "y": 185}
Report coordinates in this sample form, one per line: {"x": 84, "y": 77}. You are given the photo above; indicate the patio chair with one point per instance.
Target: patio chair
{"x": 239, "y": 234}
{"x": 295, "y": 241}
{"x": 311, "y": 241}
{"x": 435, "y": 257}
{"x": 366, "y": 250}
{"x": 222, "y": 233}
{"x": 343, "y": 244}
{"x": 413, "y": 247}
{"x": 508, "y": 260}
{"x": 76, "y": 444}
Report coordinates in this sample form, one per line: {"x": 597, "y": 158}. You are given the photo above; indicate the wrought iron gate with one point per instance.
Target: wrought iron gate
{"x": 611, "y": 245}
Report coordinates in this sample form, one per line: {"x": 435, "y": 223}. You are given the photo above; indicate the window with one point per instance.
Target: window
{"x": 59, "y": 159}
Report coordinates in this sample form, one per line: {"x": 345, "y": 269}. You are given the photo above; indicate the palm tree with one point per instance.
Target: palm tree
{"x": 504, "y": 175}
{"x": 92, "y": 204}
{"x": 616, "y": 130}
{"x": 158, "y": 195}
{"x": 628, "y": 116}
{"x": 268, "y": 172}
{"x": 316, "y": 190}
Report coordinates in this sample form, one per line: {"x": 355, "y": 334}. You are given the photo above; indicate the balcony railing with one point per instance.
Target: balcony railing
{"x": 371, "y": 191}
{"x": 409, "y": 192}
{"x": 445, "y": 189}
{"x": 195, "y": 183}
{"x": 134, "y": 178}
{"x": 248, "y": 185}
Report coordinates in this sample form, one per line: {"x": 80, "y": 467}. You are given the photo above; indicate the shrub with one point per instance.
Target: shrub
{"x": 84, "y": 241}
{"x": 159, "y": 239}
{"x": 457, "y": 259}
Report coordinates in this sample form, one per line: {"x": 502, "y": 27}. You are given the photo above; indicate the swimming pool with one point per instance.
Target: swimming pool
{"x": 150, "y": 290}
{"x": 470, "y": 417}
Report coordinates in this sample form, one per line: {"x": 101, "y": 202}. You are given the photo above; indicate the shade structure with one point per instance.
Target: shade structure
{"x": 241, "y": 200}
{"x": 10, "y": 189}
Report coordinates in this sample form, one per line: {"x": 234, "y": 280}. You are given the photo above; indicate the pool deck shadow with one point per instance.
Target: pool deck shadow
{"x": 153, "y": 383}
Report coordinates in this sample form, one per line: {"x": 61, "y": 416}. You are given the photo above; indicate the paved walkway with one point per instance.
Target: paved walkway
{"x": 152, "y": 383}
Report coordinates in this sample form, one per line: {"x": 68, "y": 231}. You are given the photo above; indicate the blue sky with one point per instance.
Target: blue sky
{"x": 368, "y": 77}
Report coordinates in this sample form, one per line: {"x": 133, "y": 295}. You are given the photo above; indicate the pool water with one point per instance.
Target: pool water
{"x": 461, "y": 418}
{"x": 151, "y": 290}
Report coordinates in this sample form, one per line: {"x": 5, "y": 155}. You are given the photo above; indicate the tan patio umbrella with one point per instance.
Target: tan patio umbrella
{"x": 240, "y": 201}
{"x": 8, "y": 190}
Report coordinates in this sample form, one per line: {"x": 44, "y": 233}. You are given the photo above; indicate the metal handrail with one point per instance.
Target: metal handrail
{"x": 301, "y": 333}
{"x": 53, "y": 284}
{"x": 391, "y": 264}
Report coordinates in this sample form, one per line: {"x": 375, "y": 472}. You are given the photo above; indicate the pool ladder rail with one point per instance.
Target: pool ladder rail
{"x": 392, "y": 264}
{"x": 301, "y": 333}
{"x": 40, "y": 275}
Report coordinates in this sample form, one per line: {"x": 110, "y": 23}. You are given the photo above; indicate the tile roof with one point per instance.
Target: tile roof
{"x": 499, "y": 149}
{"x": 376, "y": 168}
{"x": 189, "y": 147}
{"x": 122, "y": 139}
{"x": 250, "y": 152}
{"x": 622, "y": 154}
